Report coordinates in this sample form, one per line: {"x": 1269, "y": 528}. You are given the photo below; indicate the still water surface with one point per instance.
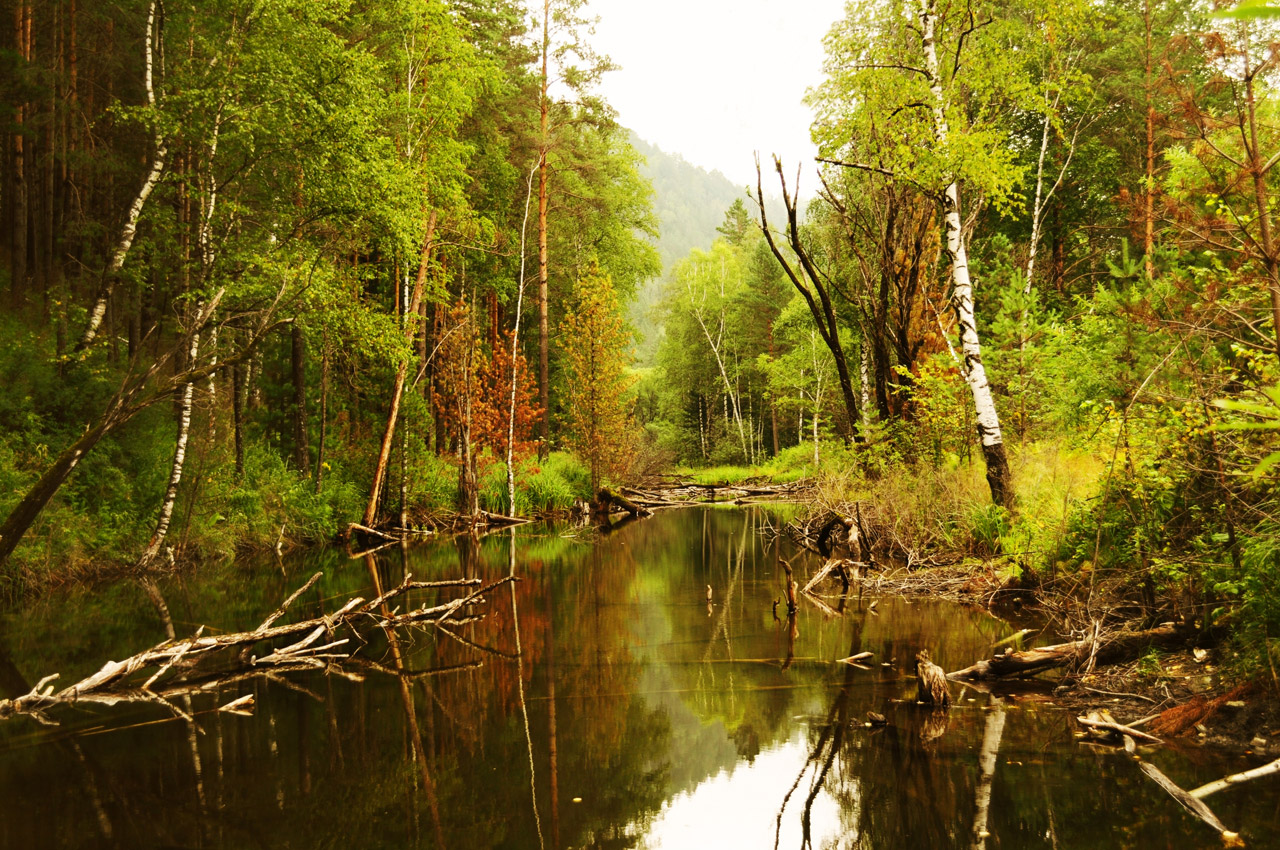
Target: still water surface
{"x": 635, "y": 715}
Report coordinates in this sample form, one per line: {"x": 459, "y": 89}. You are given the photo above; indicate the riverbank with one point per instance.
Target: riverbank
{"x": 1052, "y": 566}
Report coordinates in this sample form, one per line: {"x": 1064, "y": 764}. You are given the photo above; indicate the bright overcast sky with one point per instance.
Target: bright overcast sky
{"x": 716, "y": 80}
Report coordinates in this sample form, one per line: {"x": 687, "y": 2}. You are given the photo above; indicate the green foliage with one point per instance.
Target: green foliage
{"x": 594, "y": 342}
{"x": 550, "y": 485}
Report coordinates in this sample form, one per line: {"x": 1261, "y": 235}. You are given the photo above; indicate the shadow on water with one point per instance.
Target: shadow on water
{"x": 641, "y": 690}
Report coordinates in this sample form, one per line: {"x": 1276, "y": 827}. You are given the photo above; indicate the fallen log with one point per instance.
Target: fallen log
{"x": 606, "y": 497}
{"x": 502, "y": 519}
{"x": 1105, "y": 649}
{"x": 1118, "y": 728}
{"x": 175, "y": 660}
{"x": 372, "y": 532}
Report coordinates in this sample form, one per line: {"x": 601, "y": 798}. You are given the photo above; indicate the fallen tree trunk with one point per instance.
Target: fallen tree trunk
{"x": 1104, "y": 650}
{"x": 1106, "y": 725}
{"x": 116, "y": 682}
{"x": 606, "y": 497}
{"x": 844, "y": 568}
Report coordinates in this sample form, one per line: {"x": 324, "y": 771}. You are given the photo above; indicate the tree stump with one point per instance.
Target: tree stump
{"x": 931, "y": 687}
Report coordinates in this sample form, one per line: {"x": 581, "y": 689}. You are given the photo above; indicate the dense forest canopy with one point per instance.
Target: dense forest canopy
{"x": 273, "y": 267}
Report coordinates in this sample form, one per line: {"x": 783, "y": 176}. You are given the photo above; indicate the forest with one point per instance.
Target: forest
{"x": 278, "y": 269}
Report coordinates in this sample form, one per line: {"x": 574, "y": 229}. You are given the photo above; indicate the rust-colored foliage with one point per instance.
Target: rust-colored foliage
{"x": 473, "y": 393}
{"x": 492, "y": 408}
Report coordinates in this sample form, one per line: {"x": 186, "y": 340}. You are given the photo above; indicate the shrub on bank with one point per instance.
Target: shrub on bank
{"x": 553, "y": 484}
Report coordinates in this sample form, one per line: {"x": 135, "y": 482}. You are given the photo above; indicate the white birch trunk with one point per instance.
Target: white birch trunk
{"x": 730, "y": 396}
{"x": 515, "y": 350}
{"x": 179, "y": 459}
{"x": 130, "y": 228}
{"x": 987, "y": 759}
{"x": 1042, "y": 198}
{"x": 988, "y": 423}
{"x": 865, "y": 379}
{"x": 1037, "y": 206}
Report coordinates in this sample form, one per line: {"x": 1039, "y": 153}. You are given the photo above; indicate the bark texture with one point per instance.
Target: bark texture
{"x": 999, "y": 478}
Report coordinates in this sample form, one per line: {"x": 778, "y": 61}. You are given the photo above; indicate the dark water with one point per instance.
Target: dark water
{"x": 635, "y": 716}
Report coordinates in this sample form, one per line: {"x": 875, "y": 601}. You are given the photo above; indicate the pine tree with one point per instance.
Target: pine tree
{"x": 595, "y": 343}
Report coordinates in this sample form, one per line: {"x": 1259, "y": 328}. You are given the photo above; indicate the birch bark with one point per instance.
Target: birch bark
{"x": 130, "y": 228}
{"x": 179, "y": 457}
{"x": 988, "y": 422}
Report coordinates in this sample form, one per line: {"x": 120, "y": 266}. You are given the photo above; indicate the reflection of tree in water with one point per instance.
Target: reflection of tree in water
{"x": 893, "y": 786}
{"x": 631, "y": 727}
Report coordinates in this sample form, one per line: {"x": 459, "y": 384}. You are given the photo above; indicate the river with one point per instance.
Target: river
{"x": 601, "y": 701}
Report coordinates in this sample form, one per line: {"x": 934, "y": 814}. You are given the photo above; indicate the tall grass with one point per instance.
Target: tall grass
{"x": 924, "y": 509}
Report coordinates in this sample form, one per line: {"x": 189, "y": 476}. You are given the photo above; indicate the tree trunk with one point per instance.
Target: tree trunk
{"x": 301, "y": 446}
{"x": 544, "y": 360}
{"x": 1117, "y": 647}
{"x": 127, "y": 403}
{"x": 18, "y": 264}
{"x": 237, "y": 415}
{"x": 324, "y": 406}
{"x": 26, "y": 511}
{"x": 1258, "y": 171}
{"x": 815, "y": 295}
{"x": 865, "y": 380}
{"x": 397, "y": 390}
{"x": 1149, "y": 190}
{"x": 999, "y": 478}
{"x": 130, "y": 227}
{"x": 773, "y": 424}
{"x": 1037, "y": 205}
{"x": 179, "y": 460}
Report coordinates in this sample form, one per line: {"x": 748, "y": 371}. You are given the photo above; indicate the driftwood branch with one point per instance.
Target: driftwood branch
{"x": 1235, "y": 779}
{"x": 1191, "y": 804}
{"x": 292, "y": 647}
{"x": 1117, "y": 728}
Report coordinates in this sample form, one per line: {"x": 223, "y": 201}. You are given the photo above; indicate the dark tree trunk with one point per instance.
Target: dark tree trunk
{"x": 324, "y": 406}
{"x": 301, "y": 445}
{"x": 19, "y": 203}
{"x": 237, "y": 414}
{"x": 810, "y": 284}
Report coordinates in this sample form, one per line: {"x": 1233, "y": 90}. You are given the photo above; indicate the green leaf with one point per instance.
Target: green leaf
{"x": 1251, "y": 9}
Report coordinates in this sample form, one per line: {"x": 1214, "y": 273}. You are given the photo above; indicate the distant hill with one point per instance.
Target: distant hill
{"x": 690, "y": 203}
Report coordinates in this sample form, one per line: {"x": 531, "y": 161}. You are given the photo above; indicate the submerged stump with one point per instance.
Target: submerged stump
{"x": 931, "y": 685}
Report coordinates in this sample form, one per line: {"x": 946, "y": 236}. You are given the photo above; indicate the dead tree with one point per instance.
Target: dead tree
{"x": 173, "y": 662}
{"x": 811, "y": 284}
{"x": 1102, "y": 650}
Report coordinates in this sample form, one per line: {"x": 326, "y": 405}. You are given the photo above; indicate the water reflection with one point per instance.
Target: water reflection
{"x": 601, "y": 701}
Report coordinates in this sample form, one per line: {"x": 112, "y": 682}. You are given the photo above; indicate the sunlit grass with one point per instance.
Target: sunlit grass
{"x": 922, "y": 508}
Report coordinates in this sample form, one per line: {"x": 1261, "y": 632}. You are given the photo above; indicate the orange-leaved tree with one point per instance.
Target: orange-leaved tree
{"x": 492, "y": 409}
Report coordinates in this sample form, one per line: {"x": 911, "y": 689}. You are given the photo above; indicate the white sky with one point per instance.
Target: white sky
{"x": 716, "y": 80}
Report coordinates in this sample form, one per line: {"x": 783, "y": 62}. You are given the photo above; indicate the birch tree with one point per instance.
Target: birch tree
{"x": 129, "y": 229}
{"x": 934, "y": 89}
{"x": 707, "y": 282}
